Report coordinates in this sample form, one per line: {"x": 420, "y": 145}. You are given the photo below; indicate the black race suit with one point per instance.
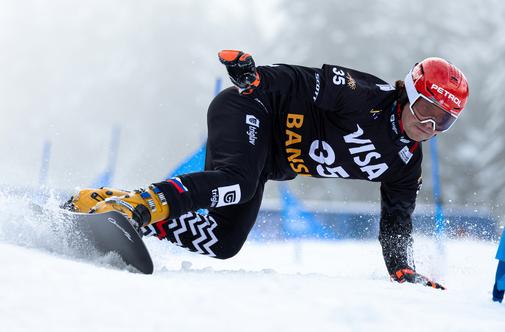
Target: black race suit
{"x": 332, "y": 122}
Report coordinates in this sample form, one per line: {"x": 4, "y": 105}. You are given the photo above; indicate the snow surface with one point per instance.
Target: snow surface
{"x": 289, "y": 286}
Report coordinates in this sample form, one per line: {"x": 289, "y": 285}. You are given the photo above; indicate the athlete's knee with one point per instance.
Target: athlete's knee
{"x": 228, "y": 252}
{"x": 224, "y": 100}
{"x": 228, "y": 245}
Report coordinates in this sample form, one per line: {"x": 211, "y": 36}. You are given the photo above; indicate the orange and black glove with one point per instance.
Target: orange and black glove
{"x": 241, "y": 69}
{"x": 409, "y": 275}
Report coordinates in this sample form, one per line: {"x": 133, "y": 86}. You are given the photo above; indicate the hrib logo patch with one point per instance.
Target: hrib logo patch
{"x": 228, "y": 195}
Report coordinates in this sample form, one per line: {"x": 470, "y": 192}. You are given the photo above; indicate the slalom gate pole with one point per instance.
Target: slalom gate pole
{"x": 196, "y": 161}
{"x": 439, "y": 264}
{"x": 105, "y": 178}
{"x": 113, "y": 150}
{"x": 44, "y": 166}
{"x": 217, "y": 87}
{"x": 499, "y": 285}
{"x": 437, "y": 193}
{"x": 41, "y": 194}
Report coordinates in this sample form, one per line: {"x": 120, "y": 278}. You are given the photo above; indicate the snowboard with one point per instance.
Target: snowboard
{"x": 112, "y": 232}
{"x": 104, "y": 233}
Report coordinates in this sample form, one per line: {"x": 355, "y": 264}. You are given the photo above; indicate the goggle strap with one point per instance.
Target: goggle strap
{"x": 410, "y": 88}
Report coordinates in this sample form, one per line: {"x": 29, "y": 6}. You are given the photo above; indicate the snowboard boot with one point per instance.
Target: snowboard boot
{"x": 143, "y": 206}
{"x": 86, "y": 199}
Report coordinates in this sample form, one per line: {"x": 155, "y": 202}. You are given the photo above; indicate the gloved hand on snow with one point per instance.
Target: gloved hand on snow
{"x": 409, "y": 275}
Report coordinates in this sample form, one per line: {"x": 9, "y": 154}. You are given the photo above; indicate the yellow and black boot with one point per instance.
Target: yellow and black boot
{"x": 86, "y": 199}
{"x": 142, "y": 206}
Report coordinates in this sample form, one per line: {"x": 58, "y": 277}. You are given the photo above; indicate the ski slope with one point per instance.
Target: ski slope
{"x": 305, "y": 286}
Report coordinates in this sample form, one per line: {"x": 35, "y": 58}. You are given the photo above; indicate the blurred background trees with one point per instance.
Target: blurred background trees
{"x": 70, "y": 71}
{"x": 386, "y": 38}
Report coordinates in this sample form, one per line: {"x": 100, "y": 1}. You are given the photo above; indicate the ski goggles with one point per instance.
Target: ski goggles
{"x": 426, "y": 110}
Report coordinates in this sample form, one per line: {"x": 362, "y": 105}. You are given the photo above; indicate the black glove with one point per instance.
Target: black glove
{"x": 412, "y": 276}
{"x": 241, "y": 69}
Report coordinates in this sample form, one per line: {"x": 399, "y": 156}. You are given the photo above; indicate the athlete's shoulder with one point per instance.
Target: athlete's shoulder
{"x": 355, "y": 79}
{"x": 354, "y": 92}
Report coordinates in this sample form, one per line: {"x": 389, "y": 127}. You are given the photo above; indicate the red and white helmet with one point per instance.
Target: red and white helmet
{"x": 439, "y": 81}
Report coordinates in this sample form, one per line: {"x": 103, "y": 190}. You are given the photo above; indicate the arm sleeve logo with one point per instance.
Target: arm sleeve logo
{"x": 228, "y": 195}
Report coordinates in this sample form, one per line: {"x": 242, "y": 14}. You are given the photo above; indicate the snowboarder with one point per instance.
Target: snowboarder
{"x": 281, "y": 121}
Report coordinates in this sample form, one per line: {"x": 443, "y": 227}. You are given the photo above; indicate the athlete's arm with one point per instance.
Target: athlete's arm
{"x": 310, "y": 84}
{"x": 398, "y": 201}
{"x": 331, "y": 87}
{"x": 395, "y": 234}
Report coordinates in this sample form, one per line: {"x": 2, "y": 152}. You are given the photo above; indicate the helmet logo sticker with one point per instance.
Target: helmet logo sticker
{"x": 446, "y": 93}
